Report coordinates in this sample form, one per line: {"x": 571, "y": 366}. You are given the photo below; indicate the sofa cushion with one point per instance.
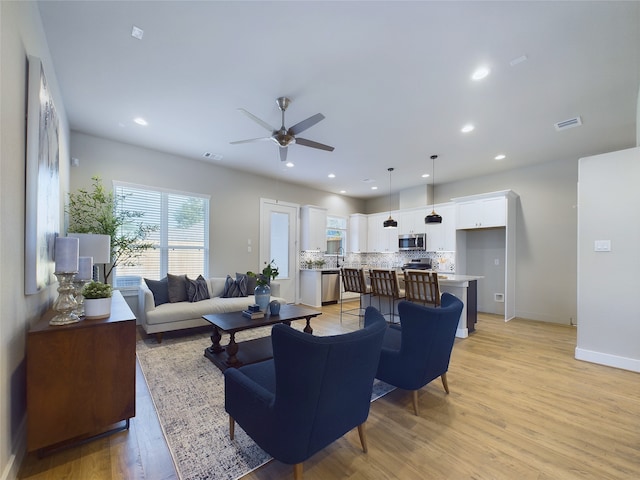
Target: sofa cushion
{"x": 235, "y": 288}
{"x": 177, "y": 288}
{"x": 160, "y": 290}
{"x": 251, "y": 282}
{"x": 198, "y": 289}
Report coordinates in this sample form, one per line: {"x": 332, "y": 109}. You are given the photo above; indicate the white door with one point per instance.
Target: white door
{"x": 278, "y": 242}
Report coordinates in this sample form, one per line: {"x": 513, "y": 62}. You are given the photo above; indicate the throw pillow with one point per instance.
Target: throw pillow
{"x": 160, "y": 290}
{"x": 177, "y": 288}
{"x": 198, "y": 289}
{"x": 251, "y": 282}
{"x": 235, "y": 288}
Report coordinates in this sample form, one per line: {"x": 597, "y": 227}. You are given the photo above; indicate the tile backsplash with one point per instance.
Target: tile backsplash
{"x": 312, "y": 259}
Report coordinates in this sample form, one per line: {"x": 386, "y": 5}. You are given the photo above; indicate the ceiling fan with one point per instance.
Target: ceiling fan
{"x": 283, "y": 136}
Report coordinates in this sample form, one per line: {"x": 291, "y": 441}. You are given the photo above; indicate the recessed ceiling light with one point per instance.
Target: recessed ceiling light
{"x": 425, "y": 175}
{"x": 500, "y": 157}
{"x": 467, "y": 128}
{"x": 480, "y": 73}
{"x": 289, "y": 164}
{"x": 332, "y": 175}
{"x": 343, "y": 191}
{"x": 374, "y": 188}
{"x": 137, "y": 32}
{"x": 141, "y": 121}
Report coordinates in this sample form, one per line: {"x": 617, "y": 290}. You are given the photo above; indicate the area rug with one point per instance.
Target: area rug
{"x": 188, "y": 393}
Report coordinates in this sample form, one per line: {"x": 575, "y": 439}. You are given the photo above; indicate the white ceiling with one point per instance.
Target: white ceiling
{"x": 392, "y": 79}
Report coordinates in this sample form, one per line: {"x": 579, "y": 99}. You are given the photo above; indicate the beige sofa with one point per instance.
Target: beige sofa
{"x": 176, "y": 316}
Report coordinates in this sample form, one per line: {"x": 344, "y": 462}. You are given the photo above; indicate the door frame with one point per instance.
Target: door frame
{"x": 267, "y": 204}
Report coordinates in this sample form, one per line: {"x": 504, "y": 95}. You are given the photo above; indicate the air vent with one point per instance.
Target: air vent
{"x": 570, "y": 123}
{"x": 214, "y": 156}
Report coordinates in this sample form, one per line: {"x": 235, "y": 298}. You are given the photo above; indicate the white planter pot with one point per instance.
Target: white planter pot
{"x": 97, "y": 308}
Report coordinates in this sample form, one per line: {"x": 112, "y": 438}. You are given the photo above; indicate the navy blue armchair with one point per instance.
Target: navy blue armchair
{"x": 419, "y": 350}
{"x": 313, "y": 391}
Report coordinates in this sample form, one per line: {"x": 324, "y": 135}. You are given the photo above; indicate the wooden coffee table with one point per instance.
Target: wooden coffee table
{"x": 250, "y": 351}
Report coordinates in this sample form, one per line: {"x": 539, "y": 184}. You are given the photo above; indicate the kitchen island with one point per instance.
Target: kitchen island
{"x": 465, "y": 287}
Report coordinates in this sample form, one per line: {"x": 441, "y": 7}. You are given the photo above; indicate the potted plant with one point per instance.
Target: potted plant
{"x": 95, "y": 211}
{"x": 262, "y": 292}
{"x": 97, "y": 300}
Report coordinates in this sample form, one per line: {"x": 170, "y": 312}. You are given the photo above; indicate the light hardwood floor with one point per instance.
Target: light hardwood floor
{"x": 520, "y": 407}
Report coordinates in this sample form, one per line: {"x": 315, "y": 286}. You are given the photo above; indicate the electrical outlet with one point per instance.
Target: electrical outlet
{"x": 498, "y": 297}
{"x": 496, "y": 261}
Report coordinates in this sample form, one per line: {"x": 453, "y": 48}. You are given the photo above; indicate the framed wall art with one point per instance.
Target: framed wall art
{"x": 42, "y": 222}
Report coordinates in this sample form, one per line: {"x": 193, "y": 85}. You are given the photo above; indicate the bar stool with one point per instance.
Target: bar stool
{"x": 384, "y": 283}
{"x": 421, "y": 286}
{"x": 353, "y": 281}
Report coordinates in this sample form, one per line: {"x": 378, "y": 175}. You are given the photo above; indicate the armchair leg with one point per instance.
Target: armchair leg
{"x": 363, "y": 437}
{"x": 232, "y": 427}
{"x": 444, "y": 382}
{"x": 297, "y": 471}
{"x": 415, "y": 402}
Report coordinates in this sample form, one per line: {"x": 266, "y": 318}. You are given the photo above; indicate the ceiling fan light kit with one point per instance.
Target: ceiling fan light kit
{"x": 433, "y": 217}
{"x": 390, "y": 222}
{"x": 283, "y": 136}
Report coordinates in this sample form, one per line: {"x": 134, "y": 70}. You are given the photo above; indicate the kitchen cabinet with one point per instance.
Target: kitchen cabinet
{"x": 412, "y": 221}
{"x": 441, "y": 237}
{"x": 313, "y": 228}
{"x": 474, "y": 214}
{"x": 80, "y": 377}
{"x": 380, "y": 239}
{"x": 358, "y": 232}
{"x": 482, "y": 213}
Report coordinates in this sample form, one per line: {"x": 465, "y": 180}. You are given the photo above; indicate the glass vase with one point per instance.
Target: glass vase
{"x": 262, "y": 295}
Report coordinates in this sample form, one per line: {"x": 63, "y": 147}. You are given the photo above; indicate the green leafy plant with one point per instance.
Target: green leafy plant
{"x": 95, "y": 289}
{"x": 95, "y": 211}
{"x": 268, "y": 273}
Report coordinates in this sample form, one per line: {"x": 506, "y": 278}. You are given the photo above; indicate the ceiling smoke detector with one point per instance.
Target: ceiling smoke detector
{"x": 569, "y": 123}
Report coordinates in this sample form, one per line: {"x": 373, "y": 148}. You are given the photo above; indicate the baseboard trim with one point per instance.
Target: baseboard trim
{"x": 607, "y": 359}
{"x": 12, "y": 468}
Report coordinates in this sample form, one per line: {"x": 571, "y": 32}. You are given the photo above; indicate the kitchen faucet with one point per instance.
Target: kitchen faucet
{"x": 338, "y": 257}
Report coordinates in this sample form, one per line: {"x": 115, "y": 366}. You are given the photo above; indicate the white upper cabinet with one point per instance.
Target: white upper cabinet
{"x": 442, "y": 236}
{"x": 411, "y": 221}
{"x": 358, "y": 232}
{"x": 313, "y": 228}
{"x": 482, "y": 213}
{"x": 380, "y": 239}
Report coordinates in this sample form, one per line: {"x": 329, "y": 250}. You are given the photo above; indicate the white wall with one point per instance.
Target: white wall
{"x": 21, "y": 34}
{"x": 609, "y": 207}
{"x": 235, "y": 196}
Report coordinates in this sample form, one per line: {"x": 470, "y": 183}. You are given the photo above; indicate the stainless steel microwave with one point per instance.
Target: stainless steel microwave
{"x": 415, "y": 241}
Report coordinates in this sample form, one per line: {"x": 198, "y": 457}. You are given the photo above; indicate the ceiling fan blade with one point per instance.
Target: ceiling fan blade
{"x": 250, "y": 140}
{"x": 283, "y": 154}
{"x": 304, "y": 124}
{"x": 312, "y": 144}
{"x": 257, "y": 120}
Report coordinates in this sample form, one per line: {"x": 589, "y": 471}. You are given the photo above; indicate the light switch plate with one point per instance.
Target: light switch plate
{"x": 602, "y": 245}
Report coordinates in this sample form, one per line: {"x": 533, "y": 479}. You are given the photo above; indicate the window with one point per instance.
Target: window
{"x": 336, "y": 234}
{"x": 181, "y": 239}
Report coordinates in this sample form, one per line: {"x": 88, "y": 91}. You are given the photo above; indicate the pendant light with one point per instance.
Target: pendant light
{"x": 433, "y": 217}
{"x": 390, "y": 222}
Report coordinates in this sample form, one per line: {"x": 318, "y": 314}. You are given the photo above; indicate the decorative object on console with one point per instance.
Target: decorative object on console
{"x": 390, "y": 222}
{"x": 66, "y": 260}
{"x": 96, "y": 246}
{"x": 97, "y": 300}
{"x": 85, "y": 271}
{"x": 433, "y": 217}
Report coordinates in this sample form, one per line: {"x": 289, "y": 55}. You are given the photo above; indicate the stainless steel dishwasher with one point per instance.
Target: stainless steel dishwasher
{"x": 330, "y": 286}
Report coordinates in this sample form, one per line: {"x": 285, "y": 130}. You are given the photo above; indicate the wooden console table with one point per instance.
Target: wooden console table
{"x": 80, "y": 377}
